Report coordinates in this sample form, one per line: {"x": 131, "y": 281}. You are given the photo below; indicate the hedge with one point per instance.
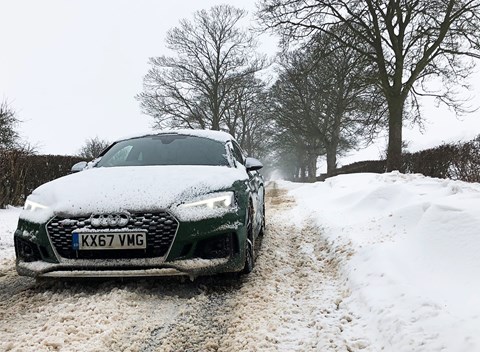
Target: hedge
{"x": 21, "y": 173}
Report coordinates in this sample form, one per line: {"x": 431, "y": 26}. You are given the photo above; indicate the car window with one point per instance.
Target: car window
{"x": 237, "y": 153}
{"x": 170, "y": 149}
{"x": 119, "y": 156}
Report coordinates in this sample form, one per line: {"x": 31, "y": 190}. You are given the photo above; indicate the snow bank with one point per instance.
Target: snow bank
{"x": 8, "y": 225}
{"x": 414, "y": 267}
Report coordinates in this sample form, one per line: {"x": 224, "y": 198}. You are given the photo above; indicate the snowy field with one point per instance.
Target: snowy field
{"x": 357, "y": 263}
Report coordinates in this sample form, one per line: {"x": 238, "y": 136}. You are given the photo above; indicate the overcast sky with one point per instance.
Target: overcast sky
{"x": 71, "y": 69}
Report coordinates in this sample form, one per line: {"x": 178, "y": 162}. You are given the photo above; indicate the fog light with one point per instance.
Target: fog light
{"x": 27, "y": 251}
{"x": 218, "y": 247}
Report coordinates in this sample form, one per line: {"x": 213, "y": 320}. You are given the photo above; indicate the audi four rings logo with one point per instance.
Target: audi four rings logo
{"x": 106, "y": 220}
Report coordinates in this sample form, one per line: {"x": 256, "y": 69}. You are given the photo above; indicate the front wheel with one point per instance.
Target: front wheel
{"x": 250, "y": 243}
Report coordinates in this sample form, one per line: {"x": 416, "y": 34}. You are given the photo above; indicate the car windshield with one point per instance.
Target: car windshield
{"x": 168, "y": 149}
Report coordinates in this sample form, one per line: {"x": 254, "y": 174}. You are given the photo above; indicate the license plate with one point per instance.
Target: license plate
{"x": 109, "y": 240}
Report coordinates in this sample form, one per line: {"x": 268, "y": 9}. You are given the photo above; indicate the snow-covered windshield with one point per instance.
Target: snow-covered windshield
{"x": 169, "y": 149}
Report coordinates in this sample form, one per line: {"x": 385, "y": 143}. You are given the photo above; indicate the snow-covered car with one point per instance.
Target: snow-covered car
{"x": 175, "y": 202}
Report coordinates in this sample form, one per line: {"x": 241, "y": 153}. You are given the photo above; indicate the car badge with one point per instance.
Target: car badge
{"x": 109, "y": 220}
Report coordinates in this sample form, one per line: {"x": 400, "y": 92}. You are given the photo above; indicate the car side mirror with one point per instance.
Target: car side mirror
{"x": 253, "y": 164}
{"x": 78, "y": 166}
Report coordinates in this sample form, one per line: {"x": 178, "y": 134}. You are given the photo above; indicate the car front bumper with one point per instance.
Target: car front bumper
{"x": 203, "y": 247}
{"x": 132, "y": 268}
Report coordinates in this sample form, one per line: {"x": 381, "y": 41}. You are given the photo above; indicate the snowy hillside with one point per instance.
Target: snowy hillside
{"x": 410, "y": 247}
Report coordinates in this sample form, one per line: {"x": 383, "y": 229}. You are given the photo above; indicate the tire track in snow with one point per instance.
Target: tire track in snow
{"x": 91, "y": 315}
{"x": 293, "y": 301}
{"x": 201, "y": 326}
{"x": 10, "y": 282}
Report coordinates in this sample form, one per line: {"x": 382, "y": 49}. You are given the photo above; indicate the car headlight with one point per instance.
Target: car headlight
{"x": 212, "y": 201}
{"x": 33, "y": 206}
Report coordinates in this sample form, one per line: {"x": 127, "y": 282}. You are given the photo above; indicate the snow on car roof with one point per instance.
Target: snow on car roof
{"x": 211, "y": 134}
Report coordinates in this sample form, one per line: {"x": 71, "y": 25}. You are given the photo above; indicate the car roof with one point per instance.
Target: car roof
{"x": 210, "y": 134}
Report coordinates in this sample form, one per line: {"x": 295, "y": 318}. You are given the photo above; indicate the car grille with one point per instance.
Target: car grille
{"x": 161, "y": 228}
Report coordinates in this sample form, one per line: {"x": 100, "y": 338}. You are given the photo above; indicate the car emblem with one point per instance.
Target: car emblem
{"x": 109, "y": 220}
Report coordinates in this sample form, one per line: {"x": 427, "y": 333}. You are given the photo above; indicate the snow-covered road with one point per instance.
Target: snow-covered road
{"x": 293, "y": 301}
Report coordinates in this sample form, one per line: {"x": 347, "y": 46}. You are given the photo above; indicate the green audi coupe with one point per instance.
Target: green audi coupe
{"x": 176, "y": 202}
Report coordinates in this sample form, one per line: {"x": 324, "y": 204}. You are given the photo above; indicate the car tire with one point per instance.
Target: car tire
{"x": 262, "y": 228}
{"x": 249, "y": 243}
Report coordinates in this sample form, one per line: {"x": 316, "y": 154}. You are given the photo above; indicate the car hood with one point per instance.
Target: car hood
{"x": 101, "y": 190}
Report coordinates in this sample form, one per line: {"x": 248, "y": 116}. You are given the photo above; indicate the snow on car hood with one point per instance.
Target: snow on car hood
{"x": 115, "y": 189}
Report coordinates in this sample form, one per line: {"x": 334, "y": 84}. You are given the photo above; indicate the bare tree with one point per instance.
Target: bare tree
{"x": 247, "y": 119}
{"x": 12, "y": 152}
{"x": 349, "y": 101}
{"x": 92, "y": 148}
{"x": 213, "y": 55}
{"x": 410, "y": 42}
{"x": 9, "y": 137}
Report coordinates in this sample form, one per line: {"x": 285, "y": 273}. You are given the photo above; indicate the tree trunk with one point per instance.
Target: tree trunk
{"x": 302, "y": 173}
{"x": 332, "y": 148}
{"x": 394, "y": 151}
{"x": 331, "y": 160}
{"x": 215, "y": 124}
{"x": 312, "y": 168}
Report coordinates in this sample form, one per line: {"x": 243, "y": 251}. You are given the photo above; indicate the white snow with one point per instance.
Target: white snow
{"x": 8, "y": 224}
{"x": 413, "y": 264}
{"x": 126, "y": 188}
